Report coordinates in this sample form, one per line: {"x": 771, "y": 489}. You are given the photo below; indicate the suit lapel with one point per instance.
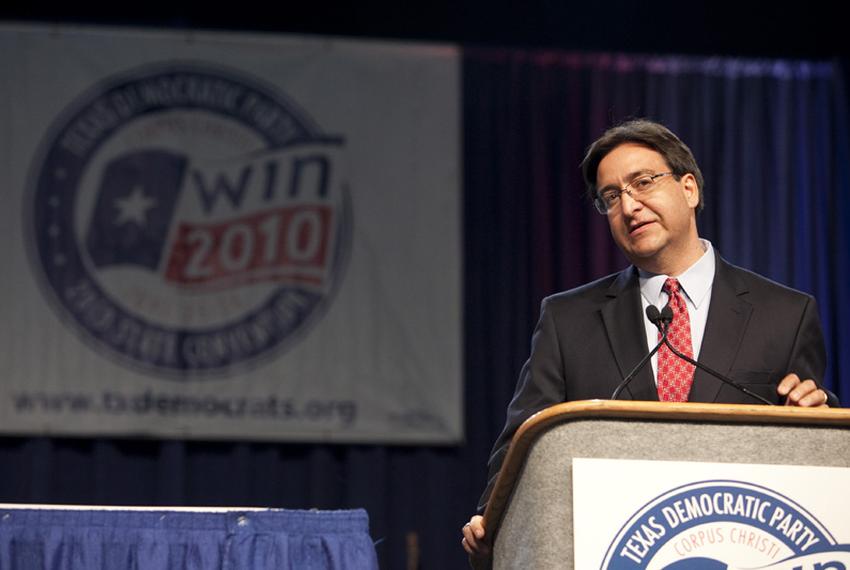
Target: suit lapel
{"x": 621, "y": 315}
{"x": 728, "y": 316}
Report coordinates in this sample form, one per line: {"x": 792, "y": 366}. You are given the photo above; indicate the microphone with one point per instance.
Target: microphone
{"x": 665, "y": 317}
{"x": 657, "y": 318}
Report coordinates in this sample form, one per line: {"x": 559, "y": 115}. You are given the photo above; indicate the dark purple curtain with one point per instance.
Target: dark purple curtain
{"x": 771, "y": 138}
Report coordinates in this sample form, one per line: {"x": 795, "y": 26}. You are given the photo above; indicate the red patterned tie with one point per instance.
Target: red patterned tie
{"x": 675, "y": 376}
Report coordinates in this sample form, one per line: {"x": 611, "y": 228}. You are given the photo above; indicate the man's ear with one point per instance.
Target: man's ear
{"x": 691, "y": 189}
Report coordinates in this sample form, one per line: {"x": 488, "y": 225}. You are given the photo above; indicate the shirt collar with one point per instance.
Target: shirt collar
{"x": 695, "y": 282}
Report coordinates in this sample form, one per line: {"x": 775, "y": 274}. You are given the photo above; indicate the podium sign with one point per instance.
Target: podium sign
{"x": 631, "y": 514}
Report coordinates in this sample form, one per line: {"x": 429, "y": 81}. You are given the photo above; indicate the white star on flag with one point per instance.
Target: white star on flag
{"x": 134, "y": 208}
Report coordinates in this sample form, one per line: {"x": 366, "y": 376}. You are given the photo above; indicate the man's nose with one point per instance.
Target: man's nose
{"x": 629, "y": 204}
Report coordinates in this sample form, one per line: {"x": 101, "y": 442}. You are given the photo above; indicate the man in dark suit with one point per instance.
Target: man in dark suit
{"x": 762, "y": 335}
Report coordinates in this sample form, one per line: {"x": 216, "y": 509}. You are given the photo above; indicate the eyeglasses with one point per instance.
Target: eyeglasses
{"x": 608, "y": 199}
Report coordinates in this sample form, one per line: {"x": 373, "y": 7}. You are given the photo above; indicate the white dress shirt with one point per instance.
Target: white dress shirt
{"x": 695, "y": 284}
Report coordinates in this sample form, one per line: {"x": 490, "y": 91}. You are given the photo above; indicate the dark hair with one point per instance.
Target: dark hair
{"x": 650, "y": 134}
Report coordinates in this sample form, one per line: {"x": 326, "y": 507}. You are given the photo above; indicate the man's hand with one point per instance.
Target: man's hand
{"x": 804, "y": 393}
{"x": 473, "y": 537}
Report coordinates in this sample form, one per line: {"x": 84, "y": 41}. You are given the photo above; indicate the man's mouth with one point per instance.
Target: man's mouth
{"x": 635, "y": 226}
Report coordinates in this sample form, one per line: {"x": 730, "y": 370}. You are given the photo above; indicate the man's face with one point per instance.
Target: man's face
{"x": 659, "y": 230}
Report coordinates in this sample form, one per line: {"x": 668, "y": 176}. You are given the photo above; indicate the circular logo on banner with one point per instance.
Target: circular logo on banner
{"x": 718, "y": 525}
{"x": 187, "y": 219}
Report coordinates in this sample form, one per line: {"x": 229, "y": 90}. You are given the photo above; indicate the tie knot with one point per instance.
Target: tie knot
{"x": 671, "y": 287}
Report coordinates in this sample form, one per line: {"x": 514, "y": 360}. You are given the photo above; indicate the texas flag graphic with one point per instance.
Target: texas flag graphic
{"x": 134, "y": 208}
{"x": 213, "y": 224}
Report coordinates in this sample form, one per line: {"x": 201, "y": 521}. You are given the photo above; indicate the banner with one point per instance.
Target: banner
{"x": 709, "y": 516}
{"x": 211, "y": 235}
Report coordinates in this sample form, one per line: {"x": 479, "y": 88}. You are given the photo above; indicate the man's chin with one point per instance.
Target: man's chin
{"x": 643, "y": 257}
{"x": 643, "y": 247}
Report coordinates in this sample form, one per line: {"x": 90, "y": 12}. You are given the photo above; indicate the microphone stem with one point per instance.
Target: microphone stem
{"x": 714, "y": 373}
{"x": 640, "y": 365}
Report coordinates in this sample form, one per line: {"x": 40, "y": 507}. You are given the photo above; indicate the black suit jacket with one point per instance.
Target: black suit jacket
{"x": 588, "y": 339}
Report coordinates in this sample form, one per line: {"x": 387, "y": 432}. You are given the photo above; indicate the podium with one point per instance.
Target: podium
{"x": 530, "y": 513}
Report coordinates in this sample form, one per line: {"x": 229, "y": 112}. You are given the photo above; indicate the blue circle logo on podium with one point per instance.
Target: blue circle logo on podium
{"x": 188, "y": 220}
{"x": 723, "y": 525}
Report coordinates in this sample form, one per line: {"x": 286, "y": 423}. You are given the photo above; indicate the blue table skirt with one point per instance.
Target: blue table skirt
{"x": 60, "y": 539}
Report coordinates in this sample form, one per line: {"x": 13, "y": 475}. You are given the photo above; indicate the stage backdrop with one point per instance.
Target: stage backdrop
{"x": 227, "y": 236}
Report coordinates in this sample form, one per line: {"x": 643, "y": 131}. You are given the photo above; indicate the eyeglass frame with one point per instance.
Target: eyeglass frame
{"x": 599, "y": 203}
